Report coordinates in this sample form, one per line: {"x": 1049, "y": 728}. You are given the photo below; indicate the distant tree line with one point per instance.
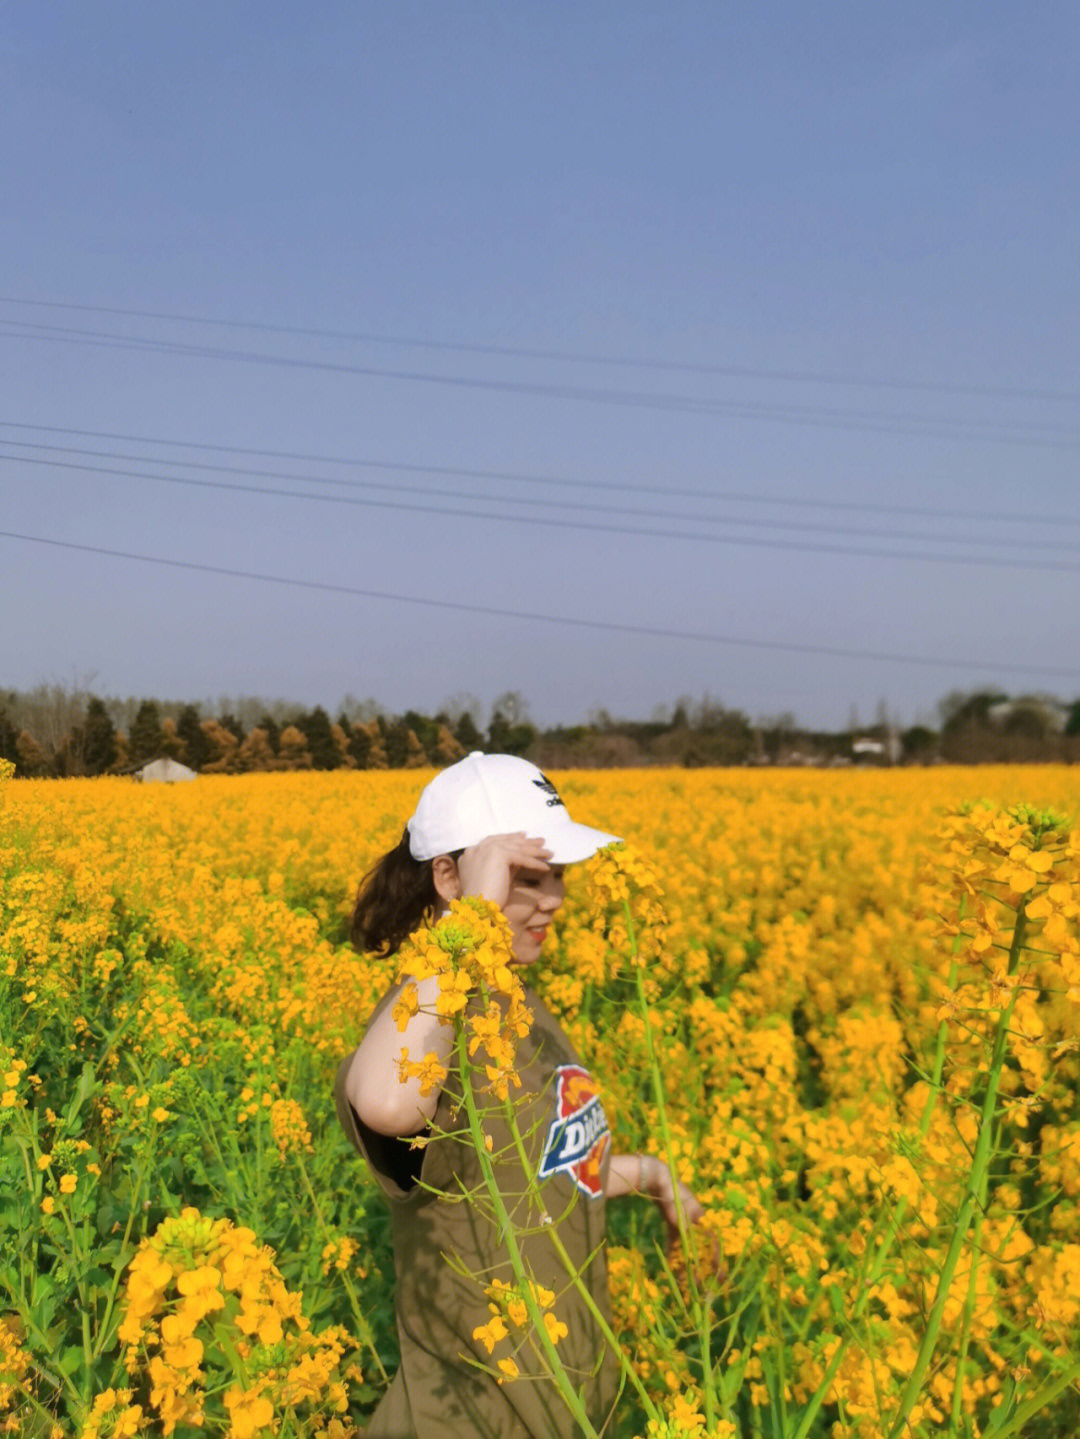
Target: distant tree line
{"x": 59, "y": 731}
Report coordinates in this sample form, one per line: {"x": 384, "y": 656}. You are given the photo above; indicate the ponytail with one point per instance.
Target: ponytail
{"x": 395, "y": 897}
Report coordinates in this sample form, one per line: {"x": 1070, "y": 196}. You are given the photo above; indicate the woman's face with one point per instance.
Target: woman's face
{"x": 530, "y": 907}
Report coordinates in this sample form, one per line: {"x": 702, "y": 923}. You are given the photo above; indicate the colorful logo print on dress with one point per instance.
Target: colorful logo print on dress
{"x": 578, "y": 1136}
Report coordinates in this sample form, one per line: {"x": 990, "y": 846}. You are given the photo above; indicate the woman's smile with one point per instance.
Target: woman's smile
{"x": 533, "y": 903}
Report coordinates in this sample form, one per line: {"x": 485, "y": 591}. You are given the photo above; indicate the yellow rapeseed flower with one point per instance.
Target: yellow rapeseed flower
{"x": 429, "y": 1071}
{"x": 490, "y": 1333}
{"x": 249, "y": 1411}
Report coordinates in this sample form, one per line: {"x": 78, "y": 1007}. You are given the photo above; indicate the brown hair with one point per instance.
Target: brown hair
{"x": 394, "y": 898}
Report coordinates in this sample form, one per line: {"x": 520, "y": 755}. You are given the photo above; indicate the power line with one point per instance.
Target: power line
{"x": 735, "y": 542}
{"x": 742, "y": 372}
{"x": 518, "y": 477}
{"x": 943, "y": 427}
{"x": 802, "y": 526}
{"x": 656, "y": 632}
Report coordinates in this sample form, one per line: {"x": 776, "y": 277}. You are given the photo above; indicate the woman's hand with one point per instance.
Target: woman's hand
{"x": 660, "y": 1187}
{"x": 656, "y": 1181}
{"x": 487, "y": 869}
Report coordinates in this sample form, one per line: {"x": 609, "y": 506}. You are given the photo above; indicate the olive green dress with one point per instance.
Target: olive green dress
{"x": 435, "y": 1393}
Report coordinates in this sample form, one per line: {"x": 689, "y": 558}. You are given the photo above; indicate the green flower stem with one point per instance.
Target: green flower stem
{"x": 229, "y": 1349}
{"x": 969, "y": 1303}
{"x": 781, "y": 1382}
{"x": 78, "y": 1274}
{"x": 25, "y": 1145}
{"x": 897, "y": 1214}
{"x": 88, "y": 1357}
{"x": 259, "y": 1178}
{"x": 624, "y": 1363}
{"x": 104, "y": 1336}
{"x": 506, "y": 1230}
{"x": 755, "y": 1422}
{"x": 354, "y": 1298}
{"x": 979, "y": 1167}
{"x": 965, "y": 1331}
{"x": 37, "y": 1406}
{"x": 701, "y": 1317}
{"x": 59, "y": 1381}
{"x": 1038, "y": 1401}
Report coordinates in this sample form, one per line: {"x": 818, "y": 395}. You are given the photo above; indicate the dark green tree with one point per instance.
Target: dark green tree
{"x": 271, "y": 730}
{"x": 68, "y": 759}
{"x": 967, "y": 734}
{"x": 145, "y": 739}
{"x": 8, "y": 737}
{"x": 467, "y": 735}
{"x": 396, "y": 739}
{"x": 426, "y": 730}
{"x": 359, "y": 744}
{"x": 31, "y": 758}
{"x": 320, "y": 740}
{"x": 1029, "y": 720}
{"x": 509, "y": 731}
{"x": 196, "y": 745}
{"x": 918, "y": 743}
{"x": 99, "y": 738}
{"x": 719, "y": 737}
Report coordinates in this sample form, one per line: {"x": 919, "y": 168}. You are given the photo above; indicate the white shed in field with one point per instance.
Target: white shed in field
{"x": 164, "y": 771}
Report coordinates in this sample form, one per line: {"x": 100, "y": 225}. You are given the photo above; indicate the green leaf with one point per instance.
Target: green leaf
{"x": 83, "y": 1090}
{"x": 71, "y": 1360}
{"x": 1001, "y": 1411}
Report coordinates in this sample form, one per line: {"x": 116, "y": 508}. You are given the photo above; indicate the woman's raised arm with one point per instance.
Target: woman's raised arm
{"x": 373, "y": 1083}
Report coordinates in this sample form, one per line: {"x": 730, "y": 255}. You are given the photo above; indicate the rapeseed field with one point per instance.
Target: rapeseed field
{"x": 843, "y": 1007}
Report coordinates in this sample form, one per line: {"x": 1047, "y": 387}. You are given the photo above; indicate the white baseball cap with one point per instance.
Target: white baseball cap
{"x": 497, "y": 794}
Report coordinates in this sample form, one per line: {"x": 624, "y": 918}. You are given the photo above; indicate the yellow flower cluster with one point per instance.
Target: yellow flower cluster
{"x": 114, "y": 1416}
{"x": 198, "y": 1278}
{"x": 619, "y": 877}
{"x": 14, "y": 1363}
{"x": 508, "y": 1302}
{"x": 1011, "y": 937}
{"x": 289, "y": 1127}
{"x": 684, "y": 1420}
{"x": 338, "y": 1254}
{"x": 470, "y": 951}
{"x": 797, "y": 958}
{"x": 16, "y": 1084}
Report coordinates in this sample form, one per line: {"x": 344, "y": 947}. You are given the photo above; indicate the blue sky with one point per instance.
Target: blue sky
{"x": 845, "y": 234}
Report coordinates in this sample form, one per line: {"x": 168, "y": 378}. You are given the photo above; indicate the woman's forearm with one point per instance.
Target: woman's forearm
{"x": 632, "y": 1174}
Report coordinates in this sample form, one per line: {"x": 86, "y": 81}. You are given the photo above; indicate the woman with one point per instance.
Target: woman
{"x": 492, "y": 826}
